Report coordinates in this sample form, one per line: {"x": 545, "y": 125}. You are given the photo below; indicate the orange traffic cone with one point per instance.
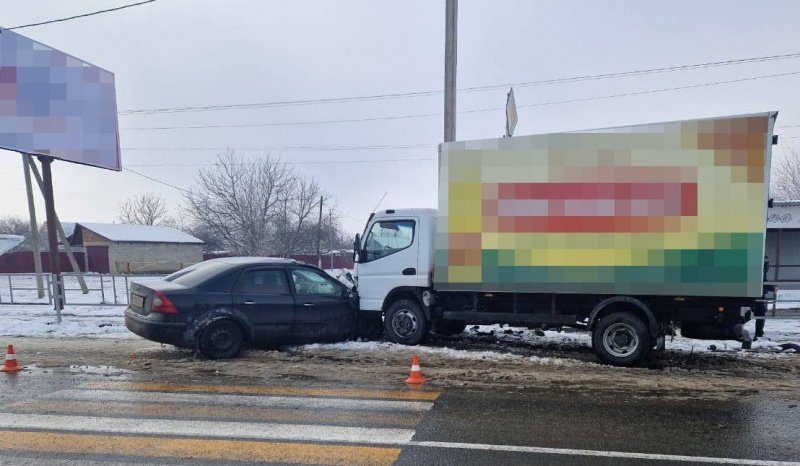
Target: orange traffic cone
{"x": 11, "y": 361}
{"x": 416, "y": 376}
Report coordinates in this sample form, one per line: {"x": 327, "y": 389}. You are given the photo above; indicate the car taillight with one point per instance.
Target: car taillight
{"x": 162, "y": 305}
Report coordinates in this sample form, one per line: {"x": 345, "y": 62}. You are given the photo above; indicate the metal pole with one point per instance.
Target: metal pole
{"x": 37, "y": 254}
{"x": 63, "y": 237}
{"x": 450, "y": 55}
{"x": 52, "y": 236}
{"x": 319, "y": 233}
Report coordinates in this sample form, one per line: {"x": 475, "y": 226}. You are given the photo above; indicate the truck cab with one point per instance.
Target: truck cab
{"x": 394, "y": 257}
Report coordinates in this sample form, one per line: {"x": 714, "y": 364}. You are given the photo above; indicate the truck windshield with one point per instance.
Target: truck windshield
{"x": 388, "y": 237}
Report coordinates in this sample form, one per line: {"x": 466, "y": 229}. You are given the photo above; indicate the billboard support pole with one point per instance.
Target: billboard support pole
{"x": 52, "y": 236}
{"x": 37, "y": 254}
{"x": 62, "y": 236}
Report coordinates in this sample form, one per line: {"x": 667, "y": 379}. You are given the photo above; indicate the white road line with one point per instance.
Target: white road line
{"x": 203, "y": 429}
{"x": 241, "y": 400}
{"x": 599, "y": 453}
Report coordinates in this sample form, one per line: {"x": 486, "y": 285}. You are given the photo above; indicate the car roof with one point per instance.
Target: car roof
{"x": 252, "y": 261}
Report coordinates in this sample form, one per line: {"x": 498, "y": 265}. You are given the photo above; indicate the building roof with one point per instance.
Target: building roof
{"x": 139, "y": 233}
{"x": 786, "y": 203}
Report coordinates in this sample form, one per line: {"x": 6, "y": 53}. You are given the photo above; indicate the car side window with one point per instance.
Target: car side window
{"x": 309, "y": 282}
{"x": 388, "y": 237}
{"x": 262, "y": 282}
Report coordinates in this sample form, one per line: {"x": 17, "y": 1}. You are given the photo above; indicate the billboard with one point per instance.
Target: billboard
{"x": 56, "y": 105}
{"x": 673, "y": 208}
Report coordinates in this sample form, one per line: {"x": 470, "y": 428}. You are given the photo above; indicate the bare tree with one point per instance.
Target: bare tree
{"x": 240, "y": 201}
{"x": 785, "y": 177}
{"x": 144, "y": 209}
{"x": 257, "y": 207}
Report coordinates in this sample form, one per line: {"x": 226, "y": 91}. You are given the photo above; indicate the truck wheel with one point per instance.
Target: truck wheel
{"x": 449, "y": 327}
{"x": 405, "y": 323}
{"x": 221, "y": 340}
{"x": 621, "y": 339}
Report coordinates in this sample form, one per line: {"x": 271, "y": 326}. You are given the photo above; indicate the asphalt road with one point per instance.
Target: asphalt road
{"x": 67, "y": 417}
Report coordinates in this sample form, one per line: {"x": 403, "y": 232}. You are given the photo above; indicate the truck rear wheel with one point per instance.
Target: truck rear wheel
{"x": 405, "y": 322}
{"x": 621, "y": 339}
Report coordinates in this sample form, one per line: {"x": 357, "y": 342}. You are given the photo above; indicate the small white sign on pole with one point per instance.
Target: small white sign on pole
{"x": 511, "y": 113}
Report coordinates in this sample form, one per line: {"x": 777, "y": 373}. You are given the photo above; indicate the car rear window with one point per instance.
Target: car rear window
{"x": 197, "y": 274}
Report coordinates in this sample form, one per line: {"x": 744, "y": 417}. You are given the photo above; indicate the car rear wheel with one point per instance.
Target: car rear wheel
{"x": 405, "y": 322}
{"x": 621, "y": 339}
{"x": 221, "y": 340}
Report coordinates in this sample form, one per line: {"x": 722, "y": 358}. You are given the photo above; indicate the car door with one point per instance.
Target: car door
{"x": 324, "y": 309}
{"x": 263, "y": 295}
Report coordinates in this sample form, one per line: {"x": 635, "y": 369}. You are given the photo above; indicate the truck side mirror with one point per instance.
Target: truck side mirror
{"x": 356, "y": 248}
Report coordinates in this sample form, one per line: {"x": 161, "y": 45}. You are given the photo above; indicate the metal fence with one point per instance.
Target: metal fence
{"x": 103, "y": 289}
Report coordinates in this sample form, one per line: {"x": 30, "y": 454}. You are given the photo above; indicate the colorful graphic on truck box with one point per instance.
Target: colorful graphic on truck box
{"x": 672, "y": 208}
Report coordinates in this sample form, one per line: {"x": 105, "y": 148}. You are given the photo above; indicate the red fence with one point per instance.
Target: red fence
{"x": 22, "y": 262}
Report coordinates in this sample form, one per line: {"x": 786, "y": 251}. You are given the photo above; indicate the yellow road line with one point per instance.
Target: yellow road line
{"x": 267, "y": 390}
{"x": 238, "y": 413}
{"x": 206, "y": 449}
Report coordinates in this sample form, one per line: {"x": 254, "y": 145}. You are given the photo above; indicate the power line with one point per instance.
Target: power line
{"x": 156, "y": 180}
{"x": 81, "y": 16}
{"x": 479, "y": 110}
{"x": 321, "y": 162}
{"x": 399, "y": 95}
{"x": 665, "y": 89}
{"x": 286, "y": 148}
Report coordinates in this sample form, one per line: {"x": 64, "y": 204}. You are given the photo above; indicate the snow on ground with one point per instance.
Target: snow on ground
{"x": 381, "y": 346}
{"x": 77, "y": 321}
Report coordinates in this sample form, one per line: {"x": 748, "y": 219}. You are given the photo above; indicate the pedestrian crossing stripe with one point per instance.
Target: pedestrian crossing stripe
{"x": 241, "y": 400}
{"x": 196, "y": 448}
{"x": 239, "y": 413}
{"x": 205, "y": 428}
{"x": 412, "y": 395}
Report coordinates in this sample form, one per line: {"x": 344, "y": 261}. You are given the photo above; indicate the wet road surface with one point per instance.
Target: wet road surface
{"x": 59, "y": 417}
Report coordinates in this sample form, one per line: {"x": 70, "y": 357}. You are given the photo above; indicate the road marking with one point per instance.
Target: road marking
{"x": 205, "y": 449}
{"x": 598, "y": 453}
{"x": 241, "y": 400}
{"x": 415, "y": 395}
{"x": 238, "y": 413}
{"x": 197, "y": 428}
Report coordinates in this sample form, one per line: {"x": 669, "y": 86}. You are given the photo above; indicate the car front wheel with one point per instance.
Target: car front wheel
{"x": 222, "y": 339}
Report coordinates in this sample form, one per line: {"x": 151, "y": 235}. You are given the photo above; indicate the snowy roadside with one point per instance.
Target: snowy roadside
{"x": 77, "y": 321}
{"x": 478, "y": 342}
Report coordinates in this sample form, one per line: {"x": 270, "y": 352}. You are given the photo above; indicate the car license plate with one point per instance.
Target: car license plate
{"x": 137, "y": 301}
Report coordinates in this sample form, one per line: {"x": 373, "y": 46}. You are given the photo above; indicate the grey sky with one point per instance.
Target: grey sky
{"x": 175, "y": 53}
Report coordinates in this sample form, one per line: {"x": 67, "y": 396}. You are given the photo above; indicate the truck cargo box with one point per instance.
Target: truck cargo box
{"x": 673, "y": 208}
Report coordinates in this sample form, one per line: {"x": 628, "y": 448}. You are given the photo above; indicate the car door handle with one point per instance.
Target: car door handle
{"x": 410, "y": 271}
{"x": 308, "y": 305}
{"x": 249, "y": 303}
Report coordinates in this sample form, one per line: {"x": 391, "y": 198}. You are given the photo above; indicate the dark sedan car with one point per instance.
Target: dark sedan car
{"x": 219, "y": 305}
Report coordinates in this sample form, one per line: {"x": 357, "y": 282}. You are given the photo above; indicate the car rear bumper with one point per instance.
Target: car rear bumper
{"x": 162, "y": 332}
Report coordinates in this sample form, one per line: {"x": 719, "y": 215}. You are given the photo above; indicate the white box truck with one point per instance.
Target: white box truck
{"x": 625, "y": 232}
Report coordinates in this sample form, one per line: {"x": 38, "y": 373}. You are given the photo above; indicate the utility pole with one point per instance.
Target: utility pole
{"x": 52, "y": 236}
{"x": 319, "y": 233}
{"x": 37, "y": 255}
{"x": 450, "y": 55}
